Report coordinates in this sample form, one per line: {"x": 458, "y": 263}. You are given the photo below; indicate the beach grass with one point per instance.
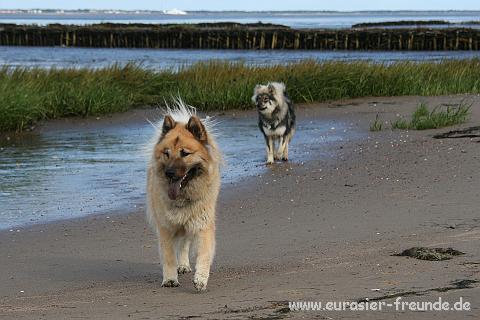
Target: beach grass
{"x": 440, "y": 116}
{"x": 376, "y": 125}
{"x": 29, "y": 95}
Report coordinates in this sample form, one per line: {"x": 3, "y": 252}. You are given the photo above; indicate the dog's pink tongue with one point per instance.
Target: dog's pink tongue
{"x": 174, "y": 189}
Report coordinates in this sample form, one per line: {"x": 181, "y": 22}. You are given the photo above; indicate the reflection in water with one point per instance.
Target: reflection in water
{"x": 76, "y": 172}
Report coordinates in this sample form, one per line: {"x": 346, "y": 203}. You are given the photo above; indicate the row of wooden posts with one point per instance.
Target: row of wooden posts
{"x": 238, "y": 38}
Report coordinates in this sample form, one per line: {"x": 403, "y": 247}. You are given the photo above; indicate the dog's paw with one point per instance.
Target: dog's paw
{"x": 184, "y": 269}
{"x": 170, "y": 283}
{"x": 200, "y": 282}
{"x": 270, "y": 159}
{"x": 284, "y": 158}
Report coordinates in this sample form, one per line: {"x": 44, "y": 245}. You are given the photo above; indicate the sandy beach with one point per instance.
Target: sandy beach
{"x": 323, "y": 230}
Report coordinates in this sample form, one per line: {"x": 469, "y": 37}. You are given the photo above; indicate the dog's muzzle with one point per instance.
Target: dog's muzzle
{"x": 178, "y": 181}
{"x": 174, "y": 182}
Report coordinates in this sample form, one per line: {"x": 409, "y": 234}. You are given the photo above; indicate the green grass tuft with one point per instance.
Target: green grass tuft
{"x": 440, "y": 116}
{"x": 29, "y": 95}
{"x": 376, "y": 125}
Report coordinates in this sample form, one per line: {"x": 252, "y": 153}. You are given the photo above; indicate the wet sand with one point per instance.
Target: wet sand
{"x": 317, "y": 230}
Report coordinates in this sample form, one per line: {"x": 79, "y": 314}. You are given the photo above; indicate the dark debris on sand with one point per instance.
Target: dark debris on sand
{"x": 430, "y": 254}
{"x": 472, "y": 132}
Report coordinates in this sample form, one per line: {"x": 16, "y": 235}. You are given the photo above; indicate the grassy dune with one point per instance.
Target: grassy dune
{"x": 29, "y": 95}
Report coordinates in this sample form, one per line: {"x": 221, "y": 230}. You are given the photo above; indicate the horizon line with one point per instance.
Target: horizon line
{"x": 248, "y": 11}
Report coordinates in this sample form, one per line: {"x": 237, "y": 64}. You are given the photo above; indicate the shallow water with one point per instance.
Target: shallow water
{"x": 71, "y": 173}
{"x": 292, "y": 19}
{"x": 48, "y": 57}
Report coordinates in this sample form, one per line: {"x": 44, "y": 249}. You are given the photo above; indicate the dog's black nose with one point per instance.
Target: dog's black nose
{"x": 170, "y": 173}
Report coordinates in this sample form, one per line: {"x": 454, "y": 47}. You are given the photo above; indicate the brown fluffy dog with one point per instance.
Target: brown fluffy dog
{"x": 183, "y": 182}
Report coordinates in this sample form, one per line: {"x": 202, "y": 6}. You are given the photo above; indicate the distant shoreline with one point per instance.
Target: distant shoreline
{"x": 104, "y": 11}
{"x": 296, "y": 19}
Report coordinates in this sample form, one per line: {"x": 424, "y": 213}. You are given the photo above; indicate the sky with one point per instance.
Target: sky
{"x": 248, "y": 5}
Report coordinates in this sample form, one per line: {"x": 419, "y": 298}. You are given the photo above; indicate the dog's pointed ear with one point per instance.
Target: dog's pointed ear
{"x": 197, "y": 129}
{"x": 256, "y": 91}
{"x": 168, "y": 124}
{"x": 271, "y": 89}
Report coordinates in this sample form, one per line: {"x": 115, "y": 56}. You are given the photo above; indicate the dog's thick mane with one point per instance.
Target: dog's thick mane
{"x": 181, "y": 113}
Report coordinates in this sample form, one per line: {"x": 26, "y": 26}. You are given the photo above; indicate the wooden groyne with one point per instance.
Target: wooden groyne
{"x": 238, "y": 36}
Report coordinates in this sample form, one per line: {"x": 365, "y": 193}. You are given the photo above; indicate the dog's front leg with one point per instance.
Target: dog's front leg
{"x": 280, "y": 148}
{"x": 182, "y": 254}
{"x": 206, "y": 251}
{"x": 284, "y": 154}
{"x": 169, "y": 260}
{"x": 285, "y": 150}
{"x": 270, "y": 150}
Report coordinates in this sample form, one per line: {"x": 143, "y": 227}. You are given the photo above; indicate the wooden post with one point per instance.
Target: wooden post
{"x": 274, "y": 40}
{"x": 262, "y": 41}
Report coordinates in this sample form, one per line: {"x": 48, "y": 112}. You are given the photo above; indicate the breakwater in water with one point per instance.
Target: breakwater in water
{"x": 238, "y": 36}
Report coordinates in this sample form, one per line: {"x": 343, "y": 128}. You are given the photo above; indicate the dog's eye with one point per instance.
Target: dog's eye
{"x": 184, "y": 153}
{"x": 166, "y": 152}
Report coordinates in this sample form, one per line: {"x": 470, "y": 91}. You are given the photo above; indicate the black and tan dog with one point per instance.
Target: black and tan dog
{"x": 276, "y": 118}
